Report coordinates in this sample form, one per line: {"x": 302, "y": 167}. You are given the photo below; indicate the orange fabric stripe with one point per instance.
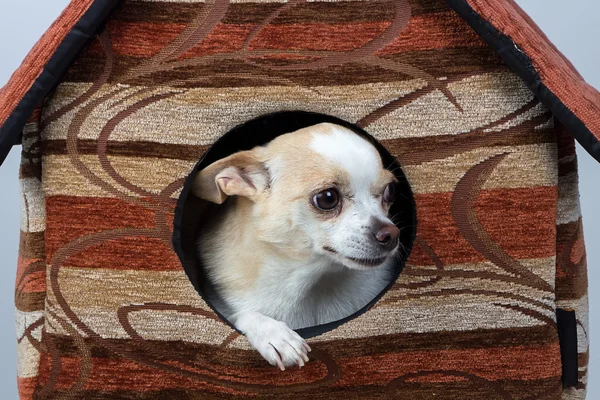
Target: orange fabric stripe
{"x": 434, "y": 31}
{"x": 34, "y": 282}
{"x": 424, "y": 32}
{"x": 130, "y": 253}
{"x": 523, "y": 363}
{"x": 68, "y": 218}
{"x": 519, "y": 363}
{"x": 26, "y": 387}
{"x": 33, "y": 65}
{"x": 147, "y": 39}
{"x": 331, "y": 37}
{"x": 522, "y": 222}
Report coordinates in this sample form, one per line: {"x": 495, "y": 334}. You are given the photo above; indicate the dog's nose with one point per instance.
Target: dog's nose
{"x": 387, "y": 236}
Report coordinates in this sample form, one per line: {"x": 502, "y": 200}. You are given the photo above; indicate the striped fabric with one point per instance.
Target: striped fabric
{"x": 104, "y": 308}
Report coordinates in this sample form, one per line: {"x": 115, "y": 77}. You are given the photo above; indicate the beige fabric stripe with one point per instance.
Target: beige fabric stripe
{"x": 484, "y": 99}
{"x": 139, "y": 287}
{"x": 432, "y": 315}
{"x": 99, "y": 311}
{"x": 539, "y": 266}
{"x": 154, "y": 325}
{"x": 200, "y": 116}
{"x": 569, "y": 208}
{"x": 463, "y": 313}
{"x": 33, "y": 209}
{"x": 153, "y": 174}
{"x": 28, "y": 357}
{"x": 174, "y": 287}
{"x": 525, "y": 166}
{"x": 534, "y": 112}
{"x": 126, "y": 287}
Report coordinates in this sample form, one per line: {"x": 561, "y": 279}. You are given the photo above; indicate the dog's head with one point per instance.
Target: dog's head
{"x": 321, "y": 191}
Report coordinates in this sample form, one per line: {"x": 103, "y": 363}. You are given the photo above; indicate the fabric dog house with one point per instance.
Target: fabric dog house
{"x": 119, "y": 101}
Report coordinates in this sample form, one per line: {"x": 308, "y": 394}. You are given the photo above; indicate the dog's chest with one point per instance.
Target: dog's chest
{"x": 308, "y": 296}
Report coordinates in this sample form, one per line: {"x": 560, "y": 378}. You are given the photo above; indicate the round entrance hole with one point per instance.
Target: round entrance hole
{"x": 191, "y": 210}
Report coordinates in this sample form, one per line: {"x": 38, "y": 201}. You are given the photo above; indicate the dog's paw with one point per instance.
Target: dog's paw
{"x": 274, "y": 340}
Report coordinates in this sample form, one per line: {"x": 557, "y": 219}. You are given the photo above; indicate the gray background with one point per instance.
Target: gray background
{"x": 573, "y": 26}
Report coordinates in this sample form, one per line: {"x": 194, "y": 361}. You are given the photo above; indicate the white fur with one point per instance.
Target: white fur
{"x": 350, "y": 152}
{"x": 266, "y": 255}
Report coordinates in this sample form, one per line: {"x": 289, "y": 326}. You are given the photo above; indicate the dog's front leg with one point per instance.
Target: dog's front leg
{"x": 274, "y": 340}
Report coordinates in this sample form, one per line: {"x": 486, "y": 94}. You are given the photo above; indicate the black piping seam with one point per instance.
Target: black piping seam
{"x": 566, "y": 324}
{"x": 523, "y": 66}
{"x": 59, "y": 62}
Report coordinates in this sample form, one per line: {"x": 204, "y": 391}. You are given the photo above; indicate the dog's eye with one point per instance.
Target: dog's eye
{"x": 326, "y": 200}
{"x": 389, "y": 194}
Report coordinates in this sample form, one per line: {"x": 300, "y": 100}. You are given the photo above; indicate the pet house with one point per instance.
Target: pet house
{"x": 121, "y": 101}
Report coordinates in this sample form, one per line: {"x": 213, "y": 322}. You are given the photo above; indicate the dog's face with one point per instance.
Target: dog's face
{"x": 321, "y": 191}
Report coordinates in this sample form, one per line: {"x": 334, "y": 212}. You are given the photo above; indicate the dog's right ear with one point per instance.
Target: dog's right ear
{"x": 240, "y": 174}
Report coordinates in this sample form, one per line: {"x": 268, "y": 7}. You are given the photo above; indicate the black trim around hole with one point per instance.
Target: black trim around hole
{"x": 263, "y": 130}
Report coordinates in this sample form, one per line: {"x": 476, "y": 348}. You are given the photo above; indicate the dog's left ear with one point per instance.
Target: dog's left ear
{"x": 241, "y": 174}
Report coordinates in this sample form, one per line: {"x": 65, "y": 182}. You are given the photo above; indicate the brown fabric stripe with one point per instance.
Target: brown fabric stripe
{"x": 439, "y": 63}
{"x": 417, "y": 150}
{"x": 571, "y": 264}
{"x": 131, "y": 376}
{"x": 450, "y": 61}
{"x": 28, "y": 302}
{"x": 500, "y": 211}
{"x": 151, "y": 38}
{"x": 500, "y": 338}
{"x": 434, "y": 31}
{"x": 564, "y": 140}
{"x": 32, "y": 245}
{"x": 134, "y": 149}
{"x": 567, "y": 168}
{"x": 29, "y": 171}
{"x": 452, "y": 388}
{"x": 535, "y": 362}
{"x": 31, "y": 275}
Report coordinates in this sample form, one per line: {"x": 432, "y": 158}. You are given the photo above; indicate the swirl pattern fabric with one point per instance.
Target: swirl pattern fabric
{"x": 104, "y": 308}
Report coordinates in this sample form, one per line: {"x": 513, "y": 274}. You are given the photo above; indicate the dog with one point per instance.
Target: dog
{"x": 302, "y": 236}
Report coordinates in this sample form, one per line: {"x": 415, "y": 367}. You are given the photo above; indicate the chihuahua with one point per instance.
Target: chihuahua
{"x": 302, "y": 236}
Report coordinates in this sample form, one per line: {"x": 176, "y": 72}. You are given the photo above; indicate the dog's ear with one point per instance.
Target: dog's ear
{"x": 241, "y": 174}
